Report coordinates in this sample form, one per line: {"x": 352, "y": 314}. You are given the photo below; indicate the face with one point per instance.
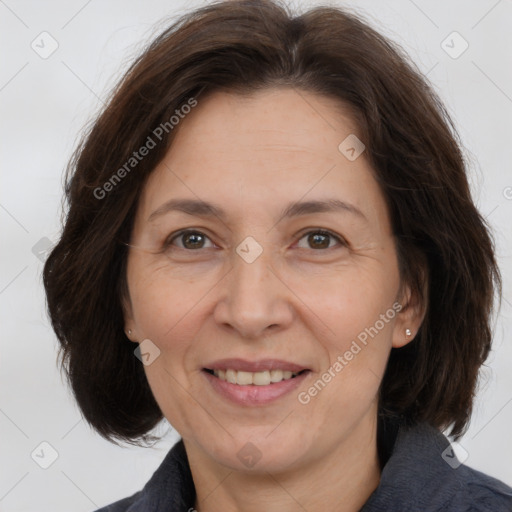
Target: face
{"x": 269, "y": 312}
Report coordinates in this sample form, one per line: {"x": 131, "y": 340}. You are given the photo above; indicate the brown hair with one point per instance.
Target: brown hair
{"x": 443, "y": 244}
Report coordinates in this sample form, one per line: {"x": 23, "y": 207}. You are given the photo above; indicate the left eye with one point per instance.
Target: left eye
{"x": 321, "y": 239}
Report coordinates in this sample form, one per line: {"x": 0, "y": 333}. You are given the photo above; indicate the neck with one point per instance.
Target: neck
{"x": 343, "y": 480}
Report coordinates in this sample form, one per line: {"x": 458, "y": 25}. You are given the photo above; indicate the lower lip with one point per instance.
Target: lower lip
{"x": 252, "y": 394}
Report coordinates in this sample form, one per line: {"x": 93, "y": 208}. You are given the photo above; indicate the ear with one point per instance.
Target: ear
{"x": 410, "y": 316}
{"x": 129, "y": 322}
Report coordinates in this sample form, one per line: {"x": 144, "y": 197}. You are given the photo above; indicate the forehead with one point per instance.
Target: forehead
{"x": 276, "y": 145}
{"x": 273, "y": 122}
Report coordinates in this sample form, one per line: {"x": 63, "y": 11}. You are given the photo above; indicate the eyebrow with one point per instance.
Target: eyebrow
{"x": 201, "y": 208}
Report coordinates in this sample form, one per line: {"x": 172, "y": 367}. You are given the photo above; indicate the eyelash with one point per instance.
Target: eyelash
{"x": 168, "y": 242}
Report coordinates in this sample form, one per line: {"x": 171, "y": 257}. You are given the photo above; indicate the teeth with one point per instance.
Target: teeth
{"x": 257, "y": 378}
{"x": 243, "y": 378}
{"x": 230, "y": 376}
{"x": 261, "y": 378}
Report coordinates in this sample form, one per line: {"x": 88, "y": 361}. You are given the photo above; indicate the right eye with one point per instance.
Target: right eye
{"x": 190, "y": 240}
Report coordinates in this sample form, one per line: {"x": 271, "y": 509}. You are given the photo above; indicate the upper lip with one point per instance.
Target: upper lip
{"x": 255, "y": 366}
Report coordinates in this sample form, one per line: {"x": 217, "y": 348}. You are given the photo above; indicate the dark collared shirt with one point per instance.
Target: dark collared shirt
{"x": 420, "y": 474}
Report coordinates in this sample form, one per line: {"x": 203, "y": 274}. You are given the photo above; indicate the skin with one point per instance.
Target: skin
{"x": 253, "y": 156}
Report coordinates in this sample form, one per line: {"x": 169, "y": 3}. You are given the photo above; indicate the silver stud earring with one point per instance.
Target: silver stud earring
{"x": 129, "y": 332}
{"x": 408, "y": 332}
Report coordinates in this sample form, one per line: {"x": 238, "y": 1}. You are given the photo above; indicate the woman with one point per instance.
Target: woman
{"x": 271, "y": 243}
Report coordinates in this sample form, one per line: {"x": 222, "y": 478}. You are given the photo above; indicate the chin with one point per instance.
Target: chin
{"x": 257, "y": 453}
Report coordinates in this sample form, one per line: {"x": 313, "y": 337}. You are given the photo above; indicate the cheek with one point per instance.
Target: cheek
{"x": 348, "y": 383}
{"x": 346, "y": 301}
{"x": 356, "y": 317}
{"x": 162, "y": 304}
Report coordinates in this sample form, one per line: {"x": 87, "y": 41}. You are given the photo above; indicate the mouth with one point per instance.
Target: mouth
{"x": 264, "y": 378}
{"x": 254, "y": 383}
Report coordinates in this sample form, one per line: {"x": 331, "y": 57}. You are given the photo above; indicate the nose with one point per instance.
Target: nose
{"x": 254, "y": 299}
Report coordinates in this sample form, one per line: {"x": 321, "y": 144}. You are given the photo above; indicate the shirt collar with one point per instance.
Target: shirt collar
{"x": 413, "y": 470}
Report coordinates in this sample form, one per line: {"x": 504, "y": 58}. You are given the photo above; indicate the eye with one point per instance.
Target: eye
{"x": 190, "y": 240}
{"x": 321, "y": 239}
{"x": 193, "y": 240}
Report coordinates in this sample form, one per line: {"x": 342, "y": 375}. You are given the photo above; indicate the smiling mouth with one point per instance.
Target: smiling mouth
{"x": 263, "y": 378}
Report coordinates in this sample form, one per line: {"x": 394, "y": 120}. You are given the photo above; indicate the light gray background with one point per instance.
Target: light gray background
{"x": 44, "y": 105}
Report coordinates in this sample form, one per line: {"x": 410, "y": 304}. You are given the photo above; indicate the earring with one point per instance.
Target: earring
{"x": 408, "y": 332}
{"x": 129, "y": 332}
